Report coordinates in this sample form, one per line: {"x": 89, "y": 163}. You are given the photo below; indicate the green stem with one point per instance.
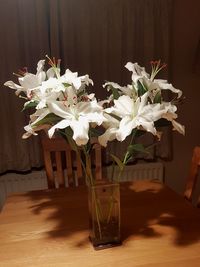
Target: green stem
{"x": 88, "y": 173}
{"x": 87, "y": 167}
{"x": 112, "y": 171}
{"x": 110, "y": 208}
{"x": 97, "y": 210}
{"x": 126, "y": 154}
{"x": 119, "y": 175}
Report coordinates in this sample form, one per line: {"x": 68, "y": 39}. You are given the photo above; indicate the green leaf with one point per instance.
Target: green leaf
{"x": 134, "y": 132}
{"x": 49, "y": 119}
{"x": 115, "y": 92}
{"x": 141, "y": 88}
{"x": 30, "y": 104}
{"x": 114, "y": 116}
{"x": 81, "y": 93}
{"x": 134, "y": 89}
{"x": 66, "y": 84}
{"x": 157, "y": 98}
{"x": 135, "y": 148}
{"x": 62, "y": 133}
{"x": 68, "y": 131}
{"x": 67, "y": 135}
{"x": 72, "y": 144}
{"x": 118, "y": 161}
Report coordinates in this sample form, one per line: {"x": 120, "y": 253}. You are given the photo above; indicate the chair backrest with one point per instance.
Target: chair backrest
{"x": 193, "y": 174}
{"x": 63, "y": 165}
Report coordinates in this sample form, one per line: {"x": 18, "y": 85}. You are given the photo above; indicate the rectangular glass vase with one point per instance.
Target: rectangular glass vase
{"x": 104, "y": 215}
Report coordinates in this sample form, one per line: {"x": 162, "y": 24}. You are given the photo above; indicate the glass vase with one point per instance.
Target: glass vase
{"x": 104, "y": 215}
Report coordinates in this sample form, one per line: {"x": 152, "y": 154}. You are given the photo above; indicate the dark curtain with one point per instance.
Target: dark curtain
{"x": 94, "y": 37}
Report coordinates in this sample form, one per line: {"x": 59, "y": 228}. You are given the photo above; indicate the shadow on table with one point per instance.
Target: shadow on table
{"x": 146, "y": 212}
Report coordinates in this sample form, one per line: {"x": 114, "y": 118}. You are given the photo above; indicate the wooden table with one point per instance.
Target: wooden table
{"x": 50, "y": 228}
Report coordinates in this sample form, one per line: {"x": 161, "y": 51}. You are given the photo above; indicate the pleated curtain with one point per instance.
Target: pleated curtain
{"x": 93, "y": 37}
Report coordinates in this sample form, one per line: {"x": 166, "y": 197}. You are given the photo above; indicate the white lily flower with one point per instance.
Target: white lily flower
{"x": 52, "y": 83}
{"x": 15, "y": 86}
{"x": 126, "y": 90}
{"x": 133, "y": 115}
{"x": 39, "y": 115}
{"x": 29, "y": 81}
{"x": 137, "y": 71}
{"x": 86, "y": 80}
{"x": 78, "y": 117}
{"x": 41, "y": 75}
{"x": 178, "y": 127}
{"x": 112, "y": 126}
{"x": 29, "y": 131}
{"x": 71, "y": 78}
{"x": 115, "y": 85}
{"x": 44, "y": 97}
{"x": 168, "y": 86}
{"x": 53, "y": 72}
{"x": 32, "y": 130}
{"x": 170, "y": 115}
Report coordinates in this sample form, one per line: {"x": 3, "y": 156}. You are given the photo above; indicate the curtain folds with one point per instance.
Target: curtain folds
{"x": 24, "y": 40}
{"x": 94, "y": 37}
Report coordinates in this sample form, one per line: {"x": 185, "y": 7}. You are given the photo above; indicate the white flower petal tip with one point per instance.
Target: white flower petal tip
{"x": 40, "y": 65}
{"x": 26, "y": 135}
{"x": 130, "y": 66}
{"x": 115, "y": 85}
{"x": 51, "y": 132}
{"x": 81, "y": 141}
{"x": 12, "y": 85}
{"x": 178, "y": 127}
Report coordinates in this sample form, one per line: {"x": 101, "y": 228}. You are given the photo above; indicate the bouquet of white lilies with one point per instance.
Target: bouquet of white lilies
{"x": 139, "y": 105}
{"x": 62, "y": 104}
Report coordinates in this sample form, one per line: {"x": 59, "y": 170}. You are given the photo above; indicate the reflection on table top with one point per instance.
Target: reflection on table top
{"x": 50, "y": 228}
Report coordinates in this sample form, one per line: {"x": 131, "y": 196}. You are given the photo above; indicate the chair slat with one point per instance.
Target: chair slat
{"x": 59, "y": 170}
{"x": 68, "y": 156}
{"x": 58, "y": 145}
{"x": 49, "y": 169}
{"x": 193, "y": 174}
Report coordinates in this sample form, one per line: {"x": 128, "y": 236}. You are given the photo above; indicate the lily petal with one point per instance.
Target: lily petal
{"x": 178, "y": 127}
{"x": 40, "y": 65}
{"x": 123, "y": 105}
{"x": 13, "y": 85}
{"x": 168, "y": 86}
{"x": 109, "y": 135}
{"x": 29, "y": 81}
{"x": 59, "y": 109}
{"x": 60, "y": 125}
{"x": 127, "y": 124}
{"x": 80, "y": 128}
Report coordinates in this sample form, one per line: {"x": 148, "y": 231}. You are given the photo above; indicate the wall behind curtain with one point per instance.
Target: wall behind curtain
{"x": 94, "y": 37}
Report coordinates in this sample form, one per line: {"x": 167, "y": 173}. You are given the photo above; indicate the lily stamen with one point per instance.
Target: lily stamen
{"x": 156, "y": 67}
{"x": 18, "y": 75}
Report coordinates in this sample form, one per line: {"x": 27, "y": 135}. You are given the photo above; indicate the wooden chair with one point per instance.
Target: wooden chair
{"x": 63, "y": 165}
{"x": 193, "y": 175}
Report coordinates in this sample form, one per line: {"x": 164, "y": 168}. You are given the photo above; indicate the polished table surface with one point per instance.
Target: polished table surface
{"x": 50, "y": 228}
